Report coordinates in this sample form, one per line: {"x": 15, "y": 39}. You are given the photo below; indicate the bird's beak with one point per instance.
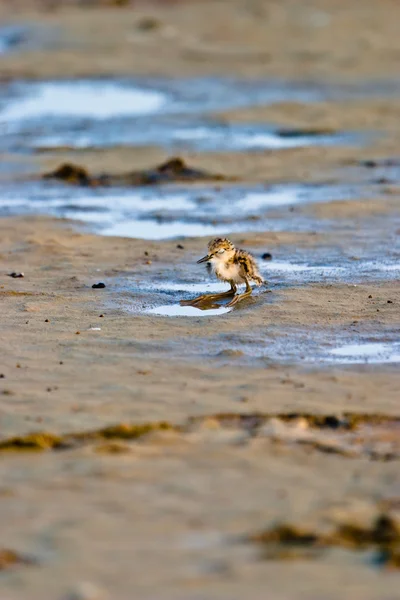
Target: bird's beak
{"x": 204, "y": 259}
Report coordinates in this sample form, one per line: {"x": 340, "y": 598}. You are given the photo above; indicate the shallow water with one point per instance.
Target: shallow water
{"x": 175, "y": 212}
{"x": 176, "y": 310}
{"x": 173, "y": 134}
{"x": 375, "y": 353}
{"x": 86, "y": 100}
{"x": 99, "y": 113}
{"x": 271, "y": 345}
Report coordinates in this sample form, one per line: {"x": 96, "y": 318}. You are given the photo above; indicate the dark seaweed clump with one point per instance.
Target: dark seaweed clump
{"x": 174, "y": 170}
{"x": 285, "y": 541}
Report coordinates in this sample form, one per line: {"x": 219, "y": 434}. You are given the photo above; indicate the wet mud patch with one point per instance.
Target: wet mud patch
{"x": 350, "y": 435}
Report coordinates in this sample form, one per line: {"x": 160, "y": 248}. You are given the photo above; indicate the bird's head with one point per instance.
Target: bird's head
{"x": 219, "y": 250}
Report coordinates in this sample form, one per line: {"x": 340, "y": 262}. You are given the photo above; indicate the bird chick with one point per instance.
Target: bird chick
{"x": 232, "y": 265}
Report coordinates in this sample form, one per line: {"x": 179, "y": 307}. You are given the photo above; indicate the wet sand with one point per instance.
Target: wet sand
{"x": 178, "y": 511}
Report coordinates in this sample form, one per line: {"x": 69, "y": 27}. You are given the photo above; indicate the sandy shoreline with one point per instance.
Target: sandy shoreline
{"x": 175, "y": 513}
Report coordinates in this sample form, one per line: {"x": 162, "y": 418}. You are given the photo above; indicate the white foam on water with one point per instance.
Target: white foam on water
{"x": 379, "y": 353}
{"x": 92, "y": 100}
{"x": 176, "y": 310}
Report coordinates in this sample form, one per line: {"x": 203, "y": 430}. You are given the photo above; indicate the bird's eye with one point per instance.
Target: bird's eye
{"x": 221, "y": 251}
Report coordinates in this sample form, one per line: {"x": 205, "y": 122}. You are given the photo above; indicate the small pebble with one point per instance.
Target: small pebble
{"x": 61, "y": 362}
{"x": 16, "y": 275}
{"x": 180, "y": 247}
{"x": 101, "y": 316}
{"x": 18, "y": 366}
{"x": 98, "y": 286}
{"x": 266, "y": 256}
{"x": 390, "y": 301}
{"x": 77, "y": 333}
{"x": 46, "y": 321}
{"x": 370, "y": 296}
{"x": 148, "y": 262}
{"x": 2, "y": 376}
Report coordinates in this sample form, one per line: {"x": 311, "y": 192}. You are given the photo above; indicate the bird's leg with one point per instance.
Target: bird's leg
{"x": 238, "y": 297}
{"x": 210, "y": 297}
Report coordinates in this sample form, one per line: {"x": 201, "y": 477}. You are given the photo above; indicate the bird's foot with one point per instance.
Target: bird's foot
{"x": 239, "y": 298}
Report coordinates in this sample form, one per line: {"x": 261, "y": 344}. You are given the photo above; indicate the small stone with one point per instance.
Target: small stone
{"x": 180, "y": 247}
{"x": 101, "y": 316}
{"x": 46, "y": 321}
{"x": 146, "y": 253}
{"x": 98, "y": 286}
{"x": 370, "y": 296}
{"x": 15, "y": 275}
{"x": 390, "y": 301}
{"x": 18, "y": 366}
{"x": 148, "y": 262}
{"x": 2, "y": 376}
{"x": 369, "y": 164}
{"x": 61, "y": 362}
{"x": 266, "y": 256}
{"x": 77, "y": 333}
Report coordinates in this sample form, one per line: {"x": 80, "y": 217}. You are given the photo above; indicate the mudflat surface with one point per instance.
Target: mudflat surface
{"x": 253, "y": 452}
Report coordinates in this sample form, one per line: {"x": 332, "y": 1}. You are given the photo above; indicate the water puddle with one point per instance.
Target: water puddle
{"x": 380, "y": 353}
{"x": 195, "y": 288}
{"x": 291, "y": 268}
{"x": 165, "y": 213}
{"x": 87, "y": 100}
{"x": 299, "y": 346}
{"x": 206, "y": 136}
{"x": 103, "y": 113}
{"x": 153, "y": 230}
{"x": 176, "y": 310}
